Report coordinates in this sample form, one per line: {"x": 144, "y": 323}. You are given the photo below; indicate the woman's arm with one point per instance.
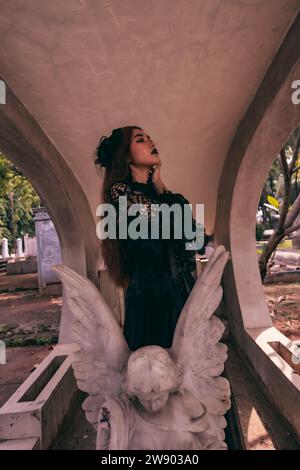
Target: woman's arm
{"x": 176, "y": 198}
{"x": 166, "y": 196}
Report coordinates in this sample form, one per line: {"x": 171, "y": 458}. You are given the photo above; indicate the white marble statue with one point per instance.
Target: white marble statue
{"x": 152, "y": 398}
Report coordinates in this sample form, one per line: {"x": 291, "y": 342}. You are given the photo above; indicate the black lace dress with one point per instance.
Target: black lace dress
{"x": 159, "y": 270}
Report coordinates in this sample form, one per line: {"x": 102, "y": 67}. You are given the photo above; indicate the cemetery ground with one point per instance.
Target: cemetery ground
{"x": 29, "y": 322}
{"x": 283, "y": 298}
{"x": 284, "y": 306}
{"x": 29, "y": 325}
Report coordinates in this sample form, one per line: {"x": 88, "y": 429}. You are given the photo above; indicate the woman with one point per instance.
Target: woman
{"x": 156, "y": 272}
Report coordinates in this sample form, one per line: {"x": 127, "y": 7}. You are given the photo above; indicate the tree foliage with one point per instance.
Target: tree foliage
{"x": 17, "y": 199}
{"x": 283, "y": 183}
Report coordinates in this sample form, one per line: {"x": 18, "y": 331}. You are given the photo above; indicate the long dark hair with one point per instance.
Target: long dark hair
{"x": 112, "y": 154}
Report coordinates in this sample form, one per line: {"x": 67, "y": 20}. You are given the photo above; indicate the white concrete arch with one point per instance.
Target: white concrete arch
{"x": 25, "y": 143}
{"x": 273, "y": 131}
{"x": 265, "y": 127}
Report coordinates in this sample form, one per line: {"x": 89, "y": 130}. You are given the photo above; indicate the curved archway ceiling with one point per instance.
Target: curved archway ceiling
{"x": 186, "y": 71}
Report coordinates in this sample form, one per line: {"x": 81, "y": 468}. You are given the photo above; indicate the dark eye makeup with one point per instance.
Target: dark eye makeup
{"x": 141, "y": 139}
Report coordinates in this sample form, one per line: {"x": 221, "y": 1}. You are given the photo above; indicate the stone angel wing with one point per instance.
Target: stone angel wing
{"x": 196, "y": 348}
{"x": 102, "y": 351}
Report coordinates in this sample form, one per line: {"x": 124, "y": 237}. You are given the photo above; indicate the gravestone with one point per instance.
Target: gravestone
{"x": 48, "y": 251}
{"x": 30, "y": 246}
{"x": 5, "y": 253}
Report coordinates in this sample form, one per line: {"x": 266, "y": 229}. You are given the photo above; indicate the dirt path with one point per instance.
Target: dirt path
{"x": 27, "y": 318}
{"x": 17, "y": 281}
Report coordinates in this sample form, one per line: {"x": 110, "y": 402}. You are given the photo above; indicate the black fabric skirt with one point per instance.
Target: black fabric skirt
{"x": 154, "y": 300}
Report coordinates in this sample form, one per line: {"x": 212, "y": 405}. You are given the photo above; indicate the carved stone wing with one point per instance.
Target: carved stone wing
{"x": 102, "y": 351}
{"x": 197, "y": 350}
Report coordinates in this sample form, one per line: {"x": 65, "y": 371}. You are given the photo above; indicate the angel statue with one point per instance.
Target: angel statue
{"x": 152, "y": 398}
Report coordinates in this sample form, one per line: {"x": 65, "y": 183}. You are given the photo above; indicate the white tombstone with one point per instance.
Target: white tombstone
{"x": 5, "y": 253}
{"x": 30, "y": 246}
{"x": 19, "y": 253}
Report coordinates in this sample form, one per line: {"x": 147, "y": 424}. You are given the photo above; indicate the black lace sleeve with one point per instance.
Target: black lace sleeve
{"x": 117, "y": 190}
{"x": 148, "y": 199}
{"x": 183, "y": 256}
{"x": 133, "y": 197}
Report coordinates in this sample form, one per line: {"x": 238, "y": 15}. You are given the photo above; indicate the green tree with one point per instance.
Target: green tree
{"x": 269, "y": 188}
{"x": 17, "y": 199}
{"x": 287, "y": 191}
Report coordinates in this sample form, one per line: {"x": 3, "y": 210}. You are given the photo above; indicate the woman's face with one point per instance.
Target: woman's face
{"x": 141, "y": 147}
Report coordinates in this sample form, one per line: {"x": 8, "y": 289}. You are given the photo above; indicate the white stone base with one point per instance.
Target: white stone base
{"x": 271, "y": 354}
{"x": 38, "y": 407}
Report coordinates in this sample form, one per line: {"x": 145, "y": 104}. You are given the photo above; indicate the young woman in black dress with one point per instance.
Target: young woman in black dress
{"x": 158, "y": 274}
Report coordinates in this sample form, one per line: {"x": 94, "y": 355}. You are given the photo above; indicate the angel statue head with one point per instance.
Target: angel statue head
{"x": 151, "y": 376}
